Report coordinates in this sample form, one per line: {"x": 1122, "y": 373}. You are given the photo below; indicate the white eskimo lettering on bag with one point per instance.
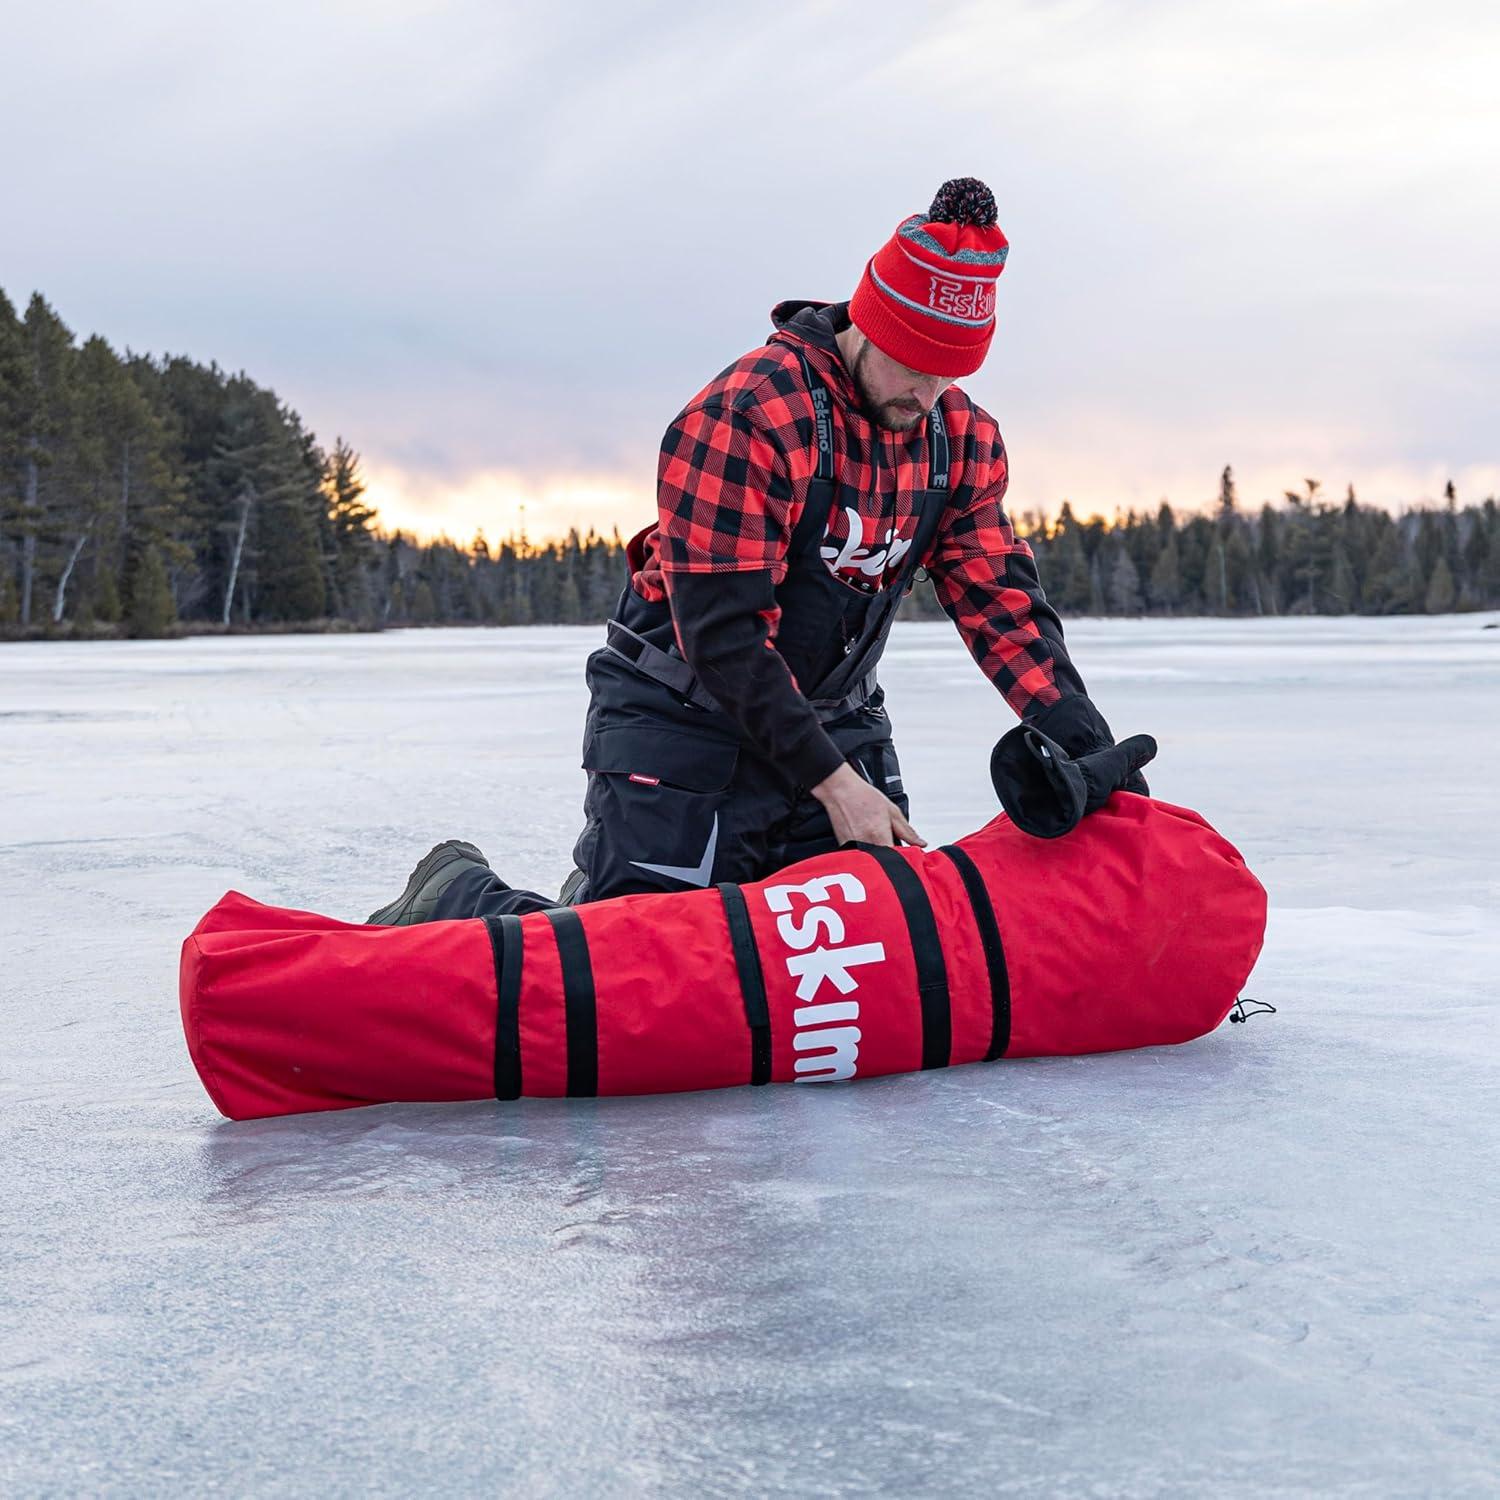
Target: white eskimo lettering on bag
{"x": 825, "y": 1030}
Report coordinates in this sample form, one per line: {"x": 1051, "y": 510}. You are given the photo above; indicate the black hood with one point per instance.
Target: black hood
{"x": 815, "y": 325}
{"x": 816, "y": 322}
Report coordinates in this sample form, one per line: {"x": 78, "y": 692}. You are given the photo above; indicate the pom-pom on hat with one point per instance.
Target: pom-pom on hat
{"x": 927, "y": 297}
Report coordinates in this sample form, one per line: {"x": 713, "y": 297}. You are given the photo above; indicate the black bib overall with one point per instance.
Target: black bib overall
{"x": 675, "y": 798}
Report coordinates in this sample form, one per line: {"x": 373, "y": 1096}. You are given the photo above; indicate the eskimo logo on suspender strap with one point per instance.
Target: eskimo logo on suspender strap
{"x": 939, "y": 452}
{"x": 822, "y": 401}
{"x": 938, "y": 458}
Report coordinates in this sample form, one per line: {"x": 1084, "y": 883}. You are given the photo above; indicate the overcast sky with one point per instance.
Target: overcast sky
{"x": 497, "y": 247}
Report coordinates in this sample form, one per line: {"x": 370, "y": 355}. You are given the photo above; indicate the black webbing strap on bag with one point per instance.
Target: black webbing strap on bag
{"x": 506, "y": 943}
{"x": 994, "y": 949}
{"x": 580, "y": 1013}
{"x": 752, "y": 981}
{"x": 927, "y": 949}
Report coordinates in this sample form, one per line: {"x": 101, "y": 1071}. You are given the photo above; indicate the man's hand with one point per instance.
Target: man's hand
{"x": 861, "y": 813}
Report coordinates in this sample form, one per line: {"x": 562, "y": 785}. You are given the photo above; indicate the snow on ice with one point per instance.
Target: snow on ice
{"x": 1262, "y": 1264}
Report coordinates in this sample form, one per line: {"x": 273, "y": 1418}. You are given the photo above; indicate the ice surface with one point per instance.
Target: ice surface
{"x": 1262, "y": 1264}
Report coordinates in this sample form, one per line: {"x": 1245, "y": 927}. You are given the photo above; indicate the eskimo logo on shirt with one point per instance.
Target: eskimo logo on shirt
{"x": 974, "y": 300}
{"x": 854, "y": 560}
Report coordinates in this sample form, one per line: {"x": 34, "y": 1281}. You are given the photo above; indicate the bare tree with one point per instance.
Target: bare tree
{"x": 247, "y": 500}
{"x": 79, "y": 543}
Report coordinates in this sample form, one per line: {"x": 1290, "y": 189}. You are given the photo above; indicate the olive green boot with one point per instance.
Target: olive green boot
{"x": 435, "y": 872}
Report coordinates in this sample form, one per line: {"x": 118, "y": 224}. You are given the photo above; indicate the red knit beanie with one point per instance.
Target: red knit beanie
{"x": 927, "y": 297}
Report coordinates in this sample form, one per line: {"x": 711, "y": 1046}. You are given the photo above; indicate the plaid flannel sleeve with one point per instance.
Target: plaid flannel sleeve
{"x": 724, "y": 495}
{"x": 986, "y": 579}
{"x": 725, "y": 507}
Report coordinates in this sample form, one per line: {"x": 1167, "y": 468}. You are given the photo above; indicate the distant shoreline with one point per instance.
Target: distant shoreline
{"x": 181, "y": 630}
{"x": 12, "y": 635}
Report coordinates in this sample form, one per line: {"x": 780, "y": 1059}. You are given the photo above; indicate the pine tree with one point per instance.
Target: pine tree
{"x": 349, "y": 522}
{"x": 45, "y": 409}
{"x": 1242, "y": 592}
{"x": 1268, "y": 558}
{"x": 423, "y": 606}
{"x": 271, "y": 475}
{"x": 1392, "y": 573}
{"x": 292, "y": 585}
{"x": 1342, "y": 589}
{"x": 152, "y": 485}
{"x": 1216, "y": 577}
{"x": 1067, "y": 562}
{"x": 1441, "y": 594}
{"x": 194, "y": 401}
{"x": 151, "y": 608}
{"x": 10, "y": 598}
{"x": 1124, "y": 590}
{"x": 1488, "y": 582}
{"x": 1194, "y": 541}
{"x": 1226, "y": 493}
{"x": 14, "y": 386}
{"x": 112, "y": 418}
{"x": 104, "y": 598}
{"x": 569, "y": 602}
{"x": 1165, "y": 584}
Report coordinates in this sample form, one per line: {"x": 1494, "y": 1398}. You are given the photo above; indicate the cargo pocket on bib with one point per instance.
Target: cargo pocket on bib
{"x": 653, "y": 808}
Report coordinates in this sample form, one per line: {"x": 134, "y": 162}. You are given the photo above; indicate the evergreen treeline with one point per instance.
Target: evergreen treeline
{"x": 1303, "y": 557}
{"x": 142, "y": 495}
{"x": 139, "y": 492}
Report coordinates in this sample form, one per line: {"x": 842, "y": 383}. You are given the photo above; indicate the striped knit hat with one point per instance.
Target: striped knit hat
{"x": 927, "y": 298}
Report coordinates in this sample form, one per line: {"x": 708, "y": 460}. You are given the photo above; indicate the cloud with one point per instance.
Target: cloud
{"x": 485, "y": 239}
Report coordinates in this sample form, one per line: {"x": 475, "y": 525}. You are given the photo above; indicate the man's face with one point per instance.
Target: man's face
{"x": 892, "y": 395}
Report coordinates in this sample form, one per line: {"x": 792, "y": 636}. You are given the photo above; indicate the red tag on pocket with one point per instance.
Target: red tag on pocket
{"x": 646, "y": 780}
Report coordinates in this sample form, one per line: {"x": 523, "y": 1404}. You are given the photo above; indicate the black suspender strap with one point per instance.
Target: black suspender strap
{"x": 854, "y": 668}
{"x": 506, "y": 942}
{"x": 994, "y": 949}
{"x": 822, "y": 402}
{"x": 937, "y": 449}
{"x": 820, "y": 490}
{"x": 752, "y": 981}
{"x": 578, "y": 1001}
{"x": 929, "y": 519}
{"x": 927, "y": 948}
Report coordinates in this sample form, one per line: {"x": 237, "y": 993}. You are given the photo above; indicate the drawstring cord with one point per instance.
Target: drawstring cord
{"x": 1242, "y": 1011}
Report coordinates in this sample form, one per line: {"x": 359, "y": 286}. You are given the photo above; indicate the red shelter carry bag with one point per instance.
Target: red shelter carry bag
{"x": 1137, "y": 929}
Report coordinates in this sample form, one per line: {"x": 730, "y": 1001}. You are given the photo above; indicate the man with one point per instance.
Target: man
{"x": 736, "y": 724}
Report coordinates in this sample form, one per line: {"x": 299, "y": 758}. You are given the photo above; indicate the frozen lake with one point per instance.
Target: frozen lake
{"x": 1267, "y": 1263}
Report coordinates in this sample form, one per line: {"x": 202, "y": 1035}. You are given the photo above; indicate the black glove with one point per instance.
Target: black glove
{"x": 1046, "y": 791}
{"x": 1078, "y": 726}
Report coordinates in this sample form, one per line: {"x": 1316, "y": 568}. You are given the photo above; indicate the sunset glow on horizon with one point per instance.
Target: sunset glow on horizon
{"x": 505, "y": 505}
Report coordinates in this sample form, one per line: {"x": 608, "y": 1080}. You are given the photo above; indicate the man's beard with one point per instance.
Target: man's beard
{"x": 888, "y": 414}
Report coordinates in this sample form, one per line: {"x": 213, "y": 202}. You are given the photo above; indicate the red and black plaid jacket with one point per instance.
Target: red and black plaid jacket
{"x": 733, "y": 476}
